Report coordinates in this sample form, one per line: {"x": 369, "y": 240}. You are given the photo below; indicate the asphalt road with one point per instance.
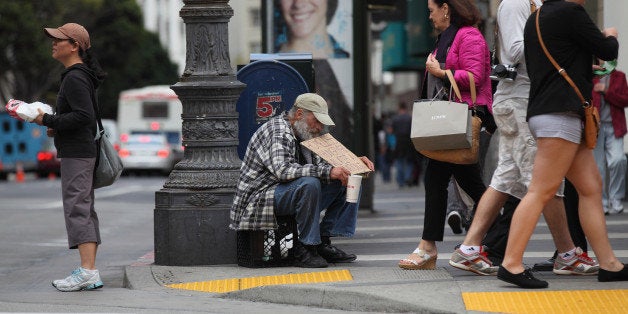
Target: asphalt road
{"x": 33, "y": 249}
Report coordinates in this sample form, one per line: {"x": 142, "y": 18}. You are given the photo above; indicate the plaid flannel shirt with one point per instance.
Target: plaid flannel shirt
{"x": 272, "y": 157}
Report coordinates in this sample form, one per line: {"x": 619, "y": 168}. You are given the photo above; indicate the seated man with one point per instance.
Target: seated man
{"x": 280, "y": 177}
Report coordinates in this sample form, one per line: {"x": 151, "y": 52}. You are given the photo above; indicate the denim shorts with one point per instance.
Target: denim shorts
{"x": 567, "y": 126}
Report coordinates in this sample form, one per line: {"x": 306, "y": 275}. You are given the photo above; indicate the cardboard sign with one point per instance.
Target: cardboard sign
{"x": 335, "y": 153}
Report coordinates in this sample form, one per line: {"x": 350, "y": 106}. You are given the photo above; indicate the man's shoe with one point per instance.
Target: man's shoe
{"x": 547, "y": 265}
{"x": 80, "y": 279}
{"x": 577, "y": 264}
{"x": 606, "y": 276}
{"x": 454, "y": 220}
{"x": 475, "y": 262}
{"x": 617, "y": 207}
{"x": 306, "y": 256}
{"x": 333, "y": 254}
{"x": 523, "y": 280}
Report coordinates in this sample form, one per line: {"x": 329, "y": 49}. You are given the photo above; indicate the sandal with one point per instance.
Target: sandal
{"x": 429, "y": 262}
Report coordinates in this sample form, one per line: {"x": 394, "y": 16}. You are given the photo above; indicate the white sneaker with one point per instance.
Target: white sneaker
{"x": 577, "y": 264}
{"x": 80, "y": 279}
{"x": 617, "y": 206}
{"x": 476, "y": 262}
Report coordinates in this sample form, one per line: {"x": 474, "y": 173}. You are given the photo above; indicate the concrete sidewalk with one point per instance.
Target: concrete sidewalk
{"x": 388, "y": 289}
{"x": 376, "y": 284}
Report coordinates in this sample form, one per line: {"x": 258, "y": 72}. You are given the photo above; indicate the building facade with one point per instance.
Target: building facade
{"x": 245, "y": 29}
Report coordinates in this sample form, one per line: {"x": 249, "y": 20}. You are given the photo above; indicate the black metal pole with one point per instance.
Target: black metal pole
{"x": 192, "y": 210}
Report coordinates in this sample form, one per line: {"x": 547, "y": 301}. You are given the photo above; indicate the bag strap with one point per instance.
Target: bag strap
{"x": 561, "y": 71}
{"x": 101, "y": 130}
{"x": 454, "y": 85}
{"x": 472, "y": 86}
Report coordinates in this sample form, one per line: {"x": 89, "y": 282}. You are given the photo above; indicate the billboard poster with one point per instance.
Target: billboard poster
{"x": 323, "y": 28}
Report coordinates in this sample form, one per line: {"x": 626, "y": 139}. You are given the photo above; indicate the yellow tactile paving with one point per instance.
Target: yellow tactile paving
{"x": 580, "y": 301}
{"x": 233, "y": 284}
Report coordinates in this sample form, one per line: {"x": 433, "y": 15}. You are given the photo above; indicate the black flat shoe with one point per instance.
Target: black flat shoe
{"x": 547, "y": 265}
{"x": 333, "y": 254}
{"x": 523, "y": 280}
{"x": 306, "y": 256}
{"x": 605, "y": 275}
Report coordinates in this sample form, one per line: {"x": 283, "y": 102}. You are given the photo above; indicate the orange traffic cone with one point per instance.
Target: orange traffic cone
{"x": 19, "y": 173}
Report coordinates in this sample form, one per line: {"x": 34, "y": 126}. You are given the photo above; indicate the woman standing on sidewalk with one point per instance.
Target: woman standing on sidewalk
{"x": 74, "y": 128}
{"x": 555, "y": 118}
{"x": 462, "y": 49}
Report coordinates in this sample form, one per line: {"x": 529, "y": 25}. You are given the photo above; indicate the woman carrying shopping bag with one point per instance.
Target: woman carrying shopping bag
{"x": 460, "y": 48}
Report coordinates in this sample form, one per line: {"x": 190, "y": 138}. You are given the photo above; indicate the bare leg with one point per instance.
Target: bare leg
{"x": 552, "y": 161}
{"x": 488, "y": 209}
{"x": 87, "y": 251}
{"x": 586, "y": 179}
{"x": 428, "y": 246}
{"x": 556, "y": 218}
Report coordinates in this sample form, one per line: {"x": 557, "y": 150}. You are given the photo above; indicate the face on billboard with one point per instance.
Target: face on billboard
{"x": 320, "y": 27}
{"x": 324, "y": 29}
{"x": 304, "y": 18}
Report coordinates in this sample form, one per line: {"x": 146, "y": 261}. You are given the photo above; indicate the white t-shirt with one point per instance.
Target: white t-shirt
{"x": 512, "y": 16}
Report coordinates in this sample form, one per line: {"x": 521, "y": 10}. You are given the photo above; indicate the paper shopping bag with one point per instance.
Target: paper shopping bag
{"x": 441, "y": 124}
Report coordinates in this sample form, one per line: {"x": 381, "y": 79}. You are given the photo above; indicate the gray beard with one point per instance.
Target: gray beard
{"x": 301, "y": 130}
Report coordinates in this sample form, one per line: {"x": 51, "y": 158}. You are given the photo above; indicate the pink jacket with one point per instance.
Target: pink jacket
{"x": 469, "y": 52}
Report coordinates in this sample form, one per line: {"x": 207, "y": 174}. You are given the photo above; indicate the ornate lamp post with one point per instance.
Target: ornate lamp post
{"x": 192, "y": 209}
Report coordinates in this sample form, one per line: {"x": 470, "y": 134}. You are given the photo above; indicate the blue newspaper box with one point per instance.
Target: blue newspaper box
{"x": 271, "y": 88}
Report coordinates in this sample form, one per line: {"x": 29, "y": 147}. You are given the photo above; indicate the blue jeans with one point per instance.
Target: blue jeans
{"x": 609, "y": 155}
{"x": 404, "y": 167}
{"x": 306, "y": 197}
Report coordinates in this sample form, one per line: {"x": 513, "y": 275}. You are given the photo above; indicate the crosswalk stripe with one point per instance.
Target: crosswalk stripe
{"x": 409, "y": 225}
{"x": 447, "y": 255}
{"x": 381, "y": 202}
{"x": 536, "y": 236}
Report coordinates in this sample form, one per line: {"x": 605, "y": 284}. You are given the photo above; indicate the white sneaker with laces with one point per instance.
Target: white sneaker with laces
{"x": 576, "y": 264}
{"x": 80, "y": 279}
{"x": 476, "y": 262}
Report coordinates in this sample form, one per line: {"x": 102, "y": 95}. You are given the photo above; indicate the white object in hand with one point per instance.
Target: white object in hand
{"x": 28, "y": 111}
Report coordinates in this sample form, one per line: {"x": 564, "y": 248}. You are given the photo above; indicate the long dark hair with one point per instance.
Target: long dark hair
{"x": 90, "y": 60}
{"x": 463, "y": 12}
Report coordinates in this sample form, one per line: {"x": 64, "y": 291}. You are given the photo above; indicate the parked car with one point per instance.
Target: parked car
{"x": 146, "y": 152}
{"x": 47, "y": 161}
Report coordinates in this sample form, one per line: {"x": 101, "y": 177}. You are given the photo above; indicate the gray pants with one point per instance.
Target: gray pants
{"x": 81, "y": 221}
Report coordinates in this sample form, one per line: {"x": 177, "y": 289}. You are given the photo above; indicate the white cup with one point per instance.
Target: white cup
{"x": 353, "y": 188}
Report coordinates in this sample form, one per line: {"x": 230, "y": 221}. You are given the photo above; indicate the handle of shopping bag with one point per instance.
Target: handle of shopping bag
{"x": 457, "y": 90}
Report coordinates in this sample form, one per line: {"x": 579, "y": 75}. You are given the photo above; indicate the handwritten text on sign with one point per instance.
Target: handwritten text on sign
{"x": 335, "y": 153}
